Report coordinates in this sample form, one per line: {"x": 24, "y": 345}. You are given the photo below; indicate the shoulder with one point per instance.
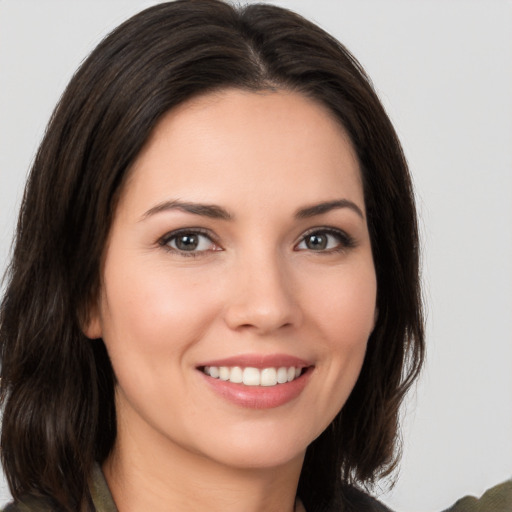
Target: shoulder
{"x": 100, "y": 495}
{"x": 29, "y": 504}
{"x": 350, "y": 499}
{"x": 497, "y": 499}
{"x": 359, "y": 501}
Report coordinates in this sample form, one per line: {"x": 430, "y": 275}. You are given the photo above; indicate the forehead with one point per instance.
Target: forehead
{"x": 248, "y": 143}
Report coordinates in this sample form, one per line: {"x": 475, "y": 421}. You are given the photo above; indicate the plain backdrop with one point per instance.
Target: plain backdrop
{"x": 443, "y": 69}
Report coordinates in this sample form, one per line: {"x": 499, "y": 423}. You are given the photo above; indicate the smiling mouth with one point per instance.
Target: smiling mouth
{"x": 249, "y": 376}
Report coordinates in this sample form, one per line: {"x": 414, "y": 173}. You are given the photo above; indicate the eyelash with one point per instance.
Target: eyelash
{"x": 345, "y": 241}
{"x": 169, "y": 237}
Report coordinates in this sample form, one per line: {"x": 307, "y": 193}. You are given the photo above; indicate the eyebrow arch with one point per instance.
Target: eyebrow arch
{"x": 320, "y": 208}
{"x": 217, "y": 212}
{"x": 206, "y": 210}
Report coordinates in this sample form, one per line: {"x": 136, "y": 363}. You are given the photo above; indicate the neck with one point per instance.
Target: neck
{"x": 162, "y": 478}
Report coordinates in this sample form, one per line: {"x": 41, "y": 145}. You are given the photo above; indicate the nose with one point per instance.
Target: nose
{"x": 263, "y": 297}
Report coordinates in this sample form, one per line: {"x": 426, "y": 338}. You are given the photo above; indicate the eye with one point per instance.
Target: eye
{"x": 188, "y": 241}
{"x": 325, "y": 240}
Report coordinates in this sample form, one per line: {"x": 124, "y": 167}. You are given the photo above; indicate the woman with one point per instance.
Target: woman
{"x": 214, "y": 297}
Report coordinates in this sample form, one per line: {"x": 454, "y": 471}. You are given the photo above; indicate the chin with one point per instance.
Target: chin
{"x": 258, "y": 448}
{"x": 259, "y": 459}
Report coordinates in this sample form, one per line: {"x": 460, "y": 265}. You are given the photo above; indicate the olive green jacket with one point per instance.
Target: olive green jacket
{"x": 497, "y": 499}
{"x": 100, "y": 492}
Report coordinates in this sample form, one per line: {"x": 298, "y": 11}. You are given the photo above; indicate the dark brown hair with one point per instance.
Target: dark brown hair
{"x": 57, "y": 386}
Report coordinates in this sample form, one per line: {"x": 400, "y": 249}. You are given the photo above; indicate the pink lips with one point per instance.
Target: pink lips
{"x": 259, "y": 397}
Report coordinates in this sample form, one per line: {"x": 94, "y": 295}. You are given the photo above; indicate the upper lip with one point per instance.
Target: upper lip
{"x": 259, "y": 361}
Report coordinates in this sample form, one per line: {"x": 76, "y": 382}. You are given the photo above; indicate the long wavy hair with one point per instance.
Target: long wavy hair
{"x": 57, "y": 386}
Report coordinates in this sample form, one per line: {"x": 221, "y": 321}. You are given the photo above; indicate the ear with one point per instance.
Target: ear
{"x": 93, "y": 329}
{"x": 91, "y": 323}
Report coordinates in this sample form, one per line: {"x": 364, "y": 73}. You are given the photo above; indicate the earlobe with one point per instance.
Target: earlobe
{"x": 92, "y": 329}
{"x": 91, "y": 324}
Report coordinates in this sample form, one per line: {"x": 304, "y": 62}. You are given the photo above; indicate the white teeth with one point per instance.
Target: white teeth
{"x": 282, "y": 375}
{"x": 254, "y": 376}
{"x": 268, "y": 377}
{"x": 236, "y": 375}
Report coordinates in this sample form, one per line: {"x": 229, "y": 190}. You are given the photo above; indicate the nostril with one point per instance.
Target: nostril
{"x": 262, "y": 317}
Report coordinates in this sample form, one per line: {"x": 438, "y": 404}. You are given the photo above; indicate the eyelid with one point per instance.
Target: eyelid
{"x": 346, "y": 241}
{"x": 164, "y": 240}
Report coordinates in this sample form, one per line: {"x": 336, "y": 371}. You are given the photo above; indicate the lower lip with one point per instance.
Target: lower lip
{"x": 259, "y": 397}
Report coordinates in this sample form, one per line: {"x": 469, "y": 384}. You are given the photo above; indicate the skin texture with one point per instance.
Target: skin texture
{"x": 253, "y": 286}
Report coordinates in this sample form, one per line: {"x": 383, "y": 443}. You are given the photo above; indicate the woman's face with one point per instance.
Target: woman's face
{"x": 239, "y": 251}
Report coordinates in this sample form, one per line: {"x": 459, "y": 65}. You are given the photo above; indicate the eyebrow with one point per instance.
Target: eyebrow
{"x": 206, "y": 210}
{"x": 327, "y": 206}
{"x": 217, "y": 212}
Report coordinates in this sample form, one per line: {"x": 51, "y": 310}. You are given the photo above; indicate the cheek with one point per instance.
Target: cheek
{"x": 150, "y": 320}
{"x": 151, "y": 309}
{"x": 343, "y": 316}
{"x": 345, "y": 304}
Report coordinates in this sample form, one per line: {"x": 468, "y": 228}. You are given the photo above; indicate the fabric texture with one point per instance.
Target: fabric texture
{"x": 101, "y": 496}
{"x": 497, "y": 499}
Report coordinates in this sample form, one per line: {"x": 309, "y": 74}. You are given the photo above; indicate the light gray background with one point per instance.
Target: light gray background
{"x": 443, "y": 69}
